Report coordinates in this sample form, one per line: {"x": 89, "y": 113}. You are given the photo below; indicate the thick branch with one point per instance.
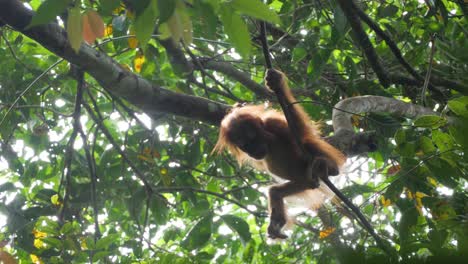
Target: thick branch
{"x": 150, "y": 98}
{"x": 399, "y": 56}
{"x": 237, "y": 75}
{"x": 179, "y": 63}
{"x": 373, "y": 104}
{"x": 363, "y": 40}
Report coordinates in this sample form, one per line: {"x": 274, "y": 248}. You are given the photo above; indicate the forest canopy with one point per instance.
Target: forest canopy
{"x": 109, "y": 112}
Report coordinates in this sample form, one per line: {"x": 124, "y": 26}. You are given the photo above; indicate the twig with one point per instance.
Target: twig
{"x": 429, "y": 70}
{"x": 266, "y": 50}
{"x": 391, "y": 44}
{"x": 191, "y": 189}
{"x": 91, "y": 166}
{"x": 364, "y": 41}
{"x": 37, "y": 106}
{"x": 69, "y": 152}
{"x": 97, "y": 118}
{"x": 27, "y": 89}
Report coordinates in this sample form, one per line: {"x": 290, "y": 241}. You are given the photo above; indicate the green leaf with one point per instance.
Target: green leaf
{"x": 387, "y": 11}
{"x": 199, "y": 235}
{"x": 167, "y": 8}
{"x": 108, "y": 6}
{"x": 426, "y": 145}
{"x": 350, "y": 67}
{"x": 257, "y": 9}
{"x": 159, "y": 210}
{"x": 136, "y": 202}
{"x": 298, "y": 54}
{"x": 210, "y": 19}
{"x": 340, "y": 21}
{"x": 100, "y": 255}
{"x": 75, "y": 28}
{"x": 237, "y": 31}
{"x": 145, "y": 24}
{"x": 430, "y": 121}
{"x": 459, "y": 106}
{"x": 318, "y": 62}
{"x": 459, "y": 132}
{"x": 48, "y": 10}
{"x": 408, "y": 219}
{"x": 394, "y": 190}
{"x": 106, "y": 241}
{"x": 400, "y": 136}
{"x": 444, "y": 172}
{"x": 442, "y": 140}
{"x": 357, "y": 189}
{"x": 239, "y": 225}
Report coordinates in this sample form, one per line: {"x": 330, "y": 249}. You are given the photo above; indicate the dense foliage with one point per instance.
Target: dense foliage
{"x": 90, "y": 175}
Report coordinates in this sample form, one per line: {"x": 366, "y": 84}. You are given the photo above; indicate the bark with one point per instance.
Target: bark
{"x": 150, "y": 98}
{"x": 373, "y": 104}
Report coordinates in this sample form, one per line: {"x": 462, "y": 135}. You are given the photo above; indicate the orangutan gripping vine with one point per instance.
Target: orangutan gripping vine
{"x": 261, "y": 137}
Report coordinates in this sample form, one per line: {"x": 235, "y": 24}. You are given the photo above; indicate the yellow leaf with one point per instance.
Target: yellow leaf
{"x": 431, "y": 180}
{"x": 420, "y": 195}
{"x": 38, "y": 234}
{"x": 55, "y": 200}
{"x": 35, "y": 259}
{"x": 138, "y": 62}
{"x": 385, "y": 202}
{"x": 147, "y": 151}
{"x": 93, "y": 26}
{"x": 118, "y": 10}
{"x": 83, "y": 244}
{"x": 75, "y": 28}
{"x": 130, "y": 14}
{"x": 325, "y": 233}
{"x": 145, "y": 158}
{"x": 355, "y": 120}
{"x": 165, "y": 177}
{"x": 132, "y": 41}
{"x": 38, "y": 243}
{"x": 109, "y": 30}
{"x": 125, "y": 67}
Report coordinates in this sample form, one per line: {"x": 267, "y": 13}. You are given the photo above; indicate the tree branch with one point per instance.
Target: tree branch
{"x": 363, "y": 40}
{"x": 373, "y": 104}
{"x": 237, "y": 75}
{"x": 152, "y": 99}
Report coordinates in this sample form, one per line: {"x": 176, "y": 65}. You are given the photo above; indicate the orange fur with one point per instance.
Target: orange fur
{"x": 261, "y": 137}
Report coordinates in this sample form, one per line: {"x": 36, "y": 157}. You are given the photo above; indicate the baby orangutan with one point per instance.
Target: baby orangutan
{"x": 262, "y": 138}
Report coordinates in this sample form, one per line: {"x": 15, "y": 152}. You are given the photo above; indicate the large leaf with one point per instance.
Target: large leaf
{"x": 239, "y": 225}
{"x": 459, "y": 106}
{"x": 145, "y": 23}
{"x": 167, "y": 8}
{"x": 237, "y": 31}
{"x": 430, "y": 121}
{"x": 256, "y": 9}
{"x": 75, "y": 28}
{"x": 199, "y": 235}
{"x": 49, "y": 10}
